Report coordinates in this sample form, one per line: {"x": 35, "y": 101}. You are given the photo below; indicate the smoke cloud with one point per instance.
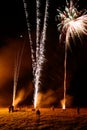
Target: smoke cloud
{"x": 23, "y": 94}
{"x": 68, "y": 100}
{"x": 46, "y": 99}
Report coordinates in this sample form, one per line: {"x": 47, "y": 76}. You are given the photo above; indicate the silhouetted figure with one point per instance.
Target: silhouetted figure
{"x": 11, "y": 108}
{"x": 38, "y": 112}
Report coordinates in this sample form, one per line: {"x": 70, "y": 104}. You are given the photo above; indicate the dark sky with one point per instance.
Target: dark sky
{"x": 12, "y": 27}
{"x": 12, "y": 17}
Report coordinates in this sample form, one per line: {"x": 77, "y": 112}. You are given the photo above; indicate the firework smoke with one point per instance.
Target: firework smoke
{"x": 21, "y": 96}
{"x": 69, "y": 100}
{"x": 16, "y": 71}
{"x": 73, "y": 23}
{"x": 46, "y": 99}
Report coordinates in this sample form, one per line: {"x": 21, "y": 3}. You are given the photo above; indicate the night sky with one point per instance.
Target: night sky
{"x": 13, "y": 35}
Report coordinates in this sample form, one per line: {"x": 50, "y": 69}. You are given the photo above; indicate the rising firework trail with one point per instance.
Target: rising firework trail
{"x": 38, "y": 23}
{"x": 16, "y": 72}
{"x": 41, "y": 58}
{"x": 73, "y": 23}
{"x": 30, "y": 39}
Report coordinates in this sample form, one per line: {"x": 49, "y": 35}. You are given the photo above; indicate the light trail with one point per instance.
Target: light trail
{"x": 16, "y": 72}
{"x": 30, "y": 39}
{"x": 41, "y": 58}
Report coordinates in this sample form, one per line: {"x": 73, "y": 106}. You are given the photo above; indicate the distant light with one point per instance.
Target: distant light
{"x": 21, "y": 36}
{"x": 63, "y": 107}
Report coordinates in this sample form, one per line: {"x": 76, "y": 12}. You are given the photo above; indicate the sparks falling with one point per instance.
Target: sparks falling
{"x": 73, "y": 23}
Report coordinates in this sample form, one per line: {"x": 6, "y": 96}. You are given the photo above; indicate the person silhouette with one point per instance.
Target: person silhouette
{"x": 38, "y": 112}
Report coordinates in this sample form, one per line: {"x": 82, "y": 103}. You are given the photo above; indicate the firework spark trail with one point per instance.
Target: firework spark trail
{"x": 38, "y": 22}
{"x": 41, "y": 59}
{"x": 30, "y": 39}
{"x": 73, "y": 23}
{"x": 16, "y": 72}
{"x": 65, "y": 77}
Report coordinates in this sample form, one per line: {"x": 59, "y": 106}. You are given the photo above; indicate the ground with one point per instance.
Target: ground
{"x": 57, "y": 119}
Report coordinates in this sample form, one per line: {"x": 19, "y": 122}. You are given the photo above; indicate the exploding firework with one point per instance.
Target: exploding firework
{"x": 73, "y": 23}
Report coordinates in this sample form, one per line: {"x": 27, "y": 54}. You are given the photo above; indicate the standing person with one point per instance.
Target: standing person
{"x": 11, "y": 108}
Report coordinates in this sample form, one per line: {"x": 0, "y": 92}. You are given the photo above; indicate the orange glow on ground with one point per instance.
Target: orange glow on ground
{"x": 63, "y": 107}
{"x": 63, "y": 102}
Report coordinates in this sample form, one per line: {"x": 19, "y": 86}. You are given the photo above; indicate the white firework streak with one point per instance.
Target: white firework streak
{"x": 16, "y": 72}
{"x": 77, "y": 27}
{"x": 72, "y": 23}
{"x": 30, "y": 39}
{"x": 38, "y": 22}
{"x": 41, "y": 59}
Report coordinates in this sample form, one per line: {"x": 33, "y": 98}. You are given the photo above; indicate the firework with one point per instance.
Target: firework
{"x": 38, "y": 22}
{"x": 38, "y": 58}
{"x": 30, "y": 39}
{"x": 73, "y": 23}
{"x": 16, "y": 72}
{"x": 41, "y": 58}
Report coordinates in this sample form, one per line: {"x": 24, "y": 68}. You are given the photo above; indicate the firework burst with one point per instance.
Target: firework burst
{"x": 73, "y": 23}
